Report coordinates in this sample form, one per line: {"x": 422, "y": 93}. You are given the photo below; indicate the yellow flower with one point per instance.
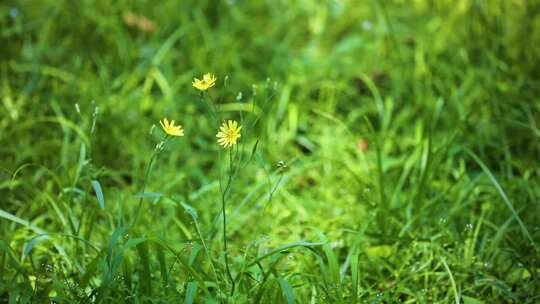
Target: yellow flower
{"x": 229, "y": 133}
{"x": 208, "y": 81}
{"x": 170, "y": 128}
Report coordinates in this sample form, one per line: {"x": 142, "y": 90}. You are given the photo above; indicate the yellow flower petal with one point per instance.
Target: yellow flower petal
{"x": 229, "y": 133}
{"x": 170, "y": 128}
{"x": 208, "y": 80}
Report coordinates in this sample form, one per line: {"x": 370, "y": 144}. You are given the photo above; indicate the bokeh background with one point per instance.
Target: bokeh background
{"x": 409, "y": 130}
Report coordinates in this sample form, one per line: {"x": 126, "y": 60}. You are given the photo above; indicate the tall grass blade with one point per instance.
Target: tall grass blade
{"x": 99, "y": 193}
{"x": 191, "y": 292}
{"x": 503, "y": 196}
{"x": 287, "y": 290}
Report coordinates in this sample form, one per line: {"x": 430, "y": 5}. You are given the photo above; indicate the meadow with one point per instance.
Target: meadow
{"x": 347, "y": 151}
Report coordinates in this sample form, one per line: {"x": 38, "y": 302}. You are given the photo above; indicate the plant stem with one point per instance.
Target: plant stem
{"x": 156, "y": 152}
{"x": 214, "y": 113}
{"x": 207, "y": 251}
{"x": 224, "y": 213}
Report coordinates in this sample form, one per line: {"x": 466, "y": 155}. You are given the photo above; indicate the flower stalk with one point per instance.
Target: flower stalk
{"x": 224, "y": 193}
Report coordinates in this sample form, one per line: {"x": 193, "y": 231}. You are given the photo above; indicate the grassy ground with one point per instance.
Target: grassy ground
{"x": 390, "y": 152}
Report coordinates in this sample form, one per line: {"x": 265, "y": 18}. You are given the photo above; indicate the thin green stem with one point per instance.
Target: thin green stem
{"x": 156, "y": 152}
{"x": 214, "y": 112}
{"x": 224, "y": 214}
{"x": 207, "y": 251}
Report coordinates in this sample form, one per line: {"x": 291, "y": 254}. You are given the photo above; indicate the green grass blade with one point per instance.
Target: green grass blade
{"x": 503, "y": 196}
{"x": 282, "y": 248}
{"x": 162, "y": 266}
{"x": 354, "y": 275}
{"x": 191, "y": 292}
{"x": 28, "y": 246}
{"x": 18, "y": 220}
{"x": 99, "y": 193}
{"x": 145, "y": 280}
{"x": 452, "y": 281}
{"x": 287, "y": 290}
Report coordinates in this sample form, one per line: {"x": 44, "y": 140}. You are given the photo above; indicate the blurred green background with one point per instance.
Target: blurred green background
{"x": 409, "y": 130}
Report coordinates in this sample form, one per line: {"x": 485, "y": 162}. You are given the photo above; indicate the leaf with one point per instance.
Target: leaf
{"x": 128, "y": 271}
{"x": 65, "y": 123}
{"x": 90, "y": 270}
{"x": 145, "y": 286}
{"x": 452, "y": 281}
{"x": 11, "y": 259}
{"x": 18, "y": 220}
{"x": 149, "y": 194}
{"x": 162, "y": 265}
{"x": 333, "y": 264}
{"x": 167, "y": 45}
{"x": 287, "y": 290}
{"x": 99, "y": 193}
{"x": 82, "y": 162}
{"x": 502, "y": 287}
{"x": 30, "y": 244}
{"x": 194, "y": 253}
{"x": 190, "y": 210}
{"x": 191, "y": 292}
{"x": 284, "y": 247}
{"x": 115, "y": 237}
{"x": 354, "y": 275}
{"x": 503, "y": 196}
{"x": 133, "y": 242}
{"x": 74, "y": 190}
{"x": 254, "y": 149}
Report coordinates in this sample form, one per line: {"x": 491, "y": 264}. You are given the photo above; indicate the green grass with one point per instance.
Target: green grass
{"x": 408, "y": 132}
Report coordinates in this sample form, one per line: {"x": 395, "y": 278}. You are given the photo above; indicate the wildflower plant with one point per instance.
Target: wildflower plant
{"x": 233, "y": 133}
{"x": 227, "y": 136}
